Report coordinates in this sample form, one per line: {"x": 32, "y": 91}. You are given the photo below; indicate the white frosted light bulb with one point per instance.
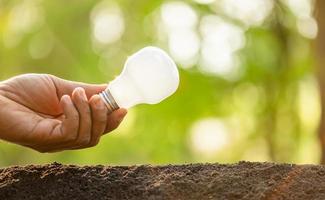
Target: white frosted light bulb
{"x": 149, "y": 76}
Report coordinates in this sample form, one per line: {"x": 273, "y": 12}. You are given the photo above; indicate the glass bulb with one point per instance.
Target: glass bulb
{"x": 149, "y": 76}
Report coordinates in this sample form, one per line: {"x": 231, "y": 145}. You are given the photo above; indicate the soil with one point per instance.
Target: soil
{"x": 244, "y": 180}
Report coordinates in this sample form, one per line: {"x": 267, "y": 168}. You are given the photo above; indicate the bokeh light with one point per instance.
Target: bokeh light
{"x": 179, "y": 22}
{"x": 205, "y": 1}
{"x": 107, "y": 23}
{"x": 184, "y": 46}
{"x": 24, "y": 17}
{"x": 178, "y": 15}
{"x": 308, "y": 105}
{"x": 249, "y": 12}
{"x": 307, "y": 27}
{"x": 208, "y": 136}
{"x": 220, "y": 42}
{"x": 301, "y": 8}
{"x": 306, "y": 24}
{"x": 41, "y": 45}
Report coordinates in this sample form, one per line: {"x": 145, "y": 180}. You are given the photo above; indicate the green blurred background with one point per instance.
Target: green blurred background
{"x": 248, "y": 86}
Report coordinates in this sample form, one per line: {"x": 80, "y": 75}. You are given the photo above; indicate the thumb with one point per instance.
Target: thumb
{"x": 66, "y": 87}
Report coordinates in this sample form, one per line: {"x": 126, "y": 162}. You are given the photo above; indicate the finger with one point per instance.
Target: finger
{"x": 67, "y": 87}
{"x": 114, "y": 119}
{"x": 99, "y": 119}
{"x": 91, "y": 89}
{"x": 70, "y": 125}
{"x": 65, "y": 133}
{"x": 80, "y": 100}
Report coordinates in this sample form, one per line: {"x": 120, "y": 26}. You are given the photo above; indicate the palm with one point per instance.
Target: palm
{"x": 34, "y": 94}
{"x": 31, "y": 100}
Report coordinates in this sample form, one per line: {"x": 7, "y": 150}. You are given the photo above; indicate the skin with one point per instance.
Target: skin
{"x": 49, "y": 114}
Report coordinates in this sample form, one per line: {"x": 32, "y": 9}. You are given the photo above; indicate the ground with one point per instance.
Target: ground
{"x": 243, "y": 180}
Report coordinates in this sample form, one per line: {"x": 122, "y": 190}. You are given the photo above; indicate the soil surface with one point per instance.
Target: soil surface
{"x": 244, "y": 180}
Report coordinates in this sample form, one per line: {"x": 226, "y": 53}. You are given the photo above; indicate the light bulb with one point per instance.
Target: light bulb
{"x": 149, "y": 76}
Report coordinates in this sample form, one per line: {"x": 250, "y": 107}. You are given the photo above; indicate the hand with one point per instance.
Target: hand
{"x": 50, "y": 114}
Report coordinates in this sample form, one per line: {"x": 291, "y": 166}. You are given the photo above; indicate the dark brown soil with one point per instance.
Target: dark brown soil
{"x": 196, "y": 181}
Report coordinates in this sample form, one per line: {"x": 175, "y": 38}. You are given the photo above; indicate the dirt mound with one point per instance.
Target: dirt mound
{"x": 196, "y": 181}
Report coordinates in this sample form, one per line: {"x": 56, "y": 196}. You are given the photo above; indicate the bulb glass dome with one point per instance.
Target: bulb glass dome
{"x": 149, "y": 76}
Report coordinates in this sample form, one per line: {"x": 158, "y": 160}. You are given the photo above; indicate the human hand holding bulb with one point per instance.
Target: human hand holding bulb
{"x": 149, "y": 76}
{"x": 50, "y": 114}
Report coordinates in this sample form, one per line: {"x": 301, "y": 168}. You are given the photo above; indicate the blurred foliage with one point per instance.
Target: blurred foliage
{"x": 266, "y": 108}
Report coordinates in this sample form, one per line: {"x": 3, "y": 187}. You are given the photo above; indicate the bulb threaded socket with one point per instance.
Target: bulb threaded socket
{"x": 109, "y": 100}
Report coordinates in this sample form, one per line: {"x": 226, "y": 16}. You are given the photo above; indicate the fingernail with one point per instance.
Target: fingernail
{"x": 64, "y": 97}
{"x": 82, "y": 94}
{"x": 98, "y": 102}
{"x": 124, "y": 112}
{"x": 122, "y": 115}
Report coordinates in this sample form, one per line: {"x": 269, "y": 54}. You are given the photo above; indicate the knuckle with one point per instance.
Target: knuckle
{"x": 98, "y": 109}
{"x": 94, "y": 143}
{"x": 70, "y": 137}
{"x": 84, "y": 141}
{"x": 102, "y": 120}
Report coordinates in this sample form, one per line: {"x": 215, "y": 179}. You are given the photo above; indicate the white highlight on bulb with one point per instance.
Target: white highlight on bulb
{"x": 149, "y": 76}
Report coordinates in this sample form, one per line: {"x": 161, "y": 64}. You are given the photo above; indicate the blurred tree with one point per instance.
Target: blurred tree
{"x": 320, "y": 52}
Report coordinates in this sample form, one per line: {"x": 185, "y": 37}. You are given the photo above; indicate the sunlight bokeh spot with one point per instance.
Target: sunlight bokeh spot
{"x": 204, "y": 1}
{"x": 218, "y": 61}
{"x": 41, "y": 45}
{"x": 24, "y": 17}
{"x": 301, "y": 8}
{"x": 221, "y": 33}
{"x": 179, "y": 21}
{"x": 107, "y": 23}
{"x": 220, "y": 42}
{"x": 184, "y": 47}
{"x": 208, "y": 136}
{"x": 178, "y": 15}
{"x": 247, "y": 97}
{"x": 250, "y": 12}
{"x": 307, "y": 27}
{"x": 309, "y": 107}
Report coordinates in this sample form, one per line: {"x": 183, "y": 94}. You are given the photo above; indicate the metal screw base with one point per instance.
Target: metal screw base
{"x": 109, "y": 100}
